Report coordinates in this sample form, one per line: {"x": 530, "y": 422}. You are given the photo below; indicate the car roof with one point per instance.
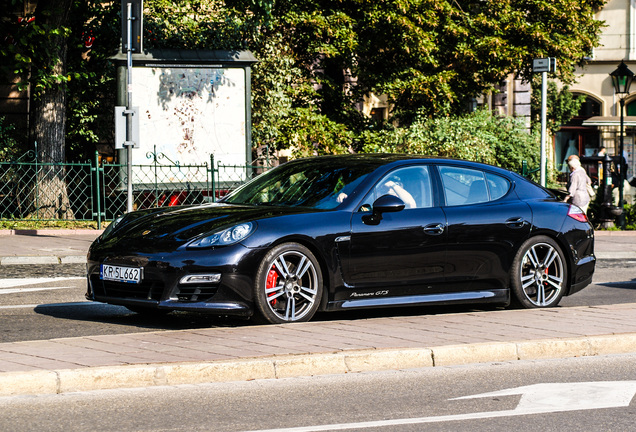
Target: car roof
{"x": 396, "y": 159}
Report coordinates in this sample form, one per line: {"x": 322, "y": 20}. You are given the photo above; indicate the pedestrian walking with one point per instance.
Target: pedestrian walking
{"x": 578, "y": 184}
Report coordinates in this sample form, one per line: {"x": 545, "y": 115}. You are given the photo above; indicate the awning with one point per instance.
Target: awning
{"x": 609, "y": 121}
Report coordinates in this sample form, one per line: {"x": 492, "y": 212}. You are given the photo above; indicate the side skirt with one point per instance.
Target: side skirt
{"x": 501, "y": 296}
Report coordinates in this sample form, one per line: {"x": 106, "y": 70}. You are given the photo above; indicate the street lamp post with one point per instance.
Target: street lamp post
{"x": 622, "y": 79}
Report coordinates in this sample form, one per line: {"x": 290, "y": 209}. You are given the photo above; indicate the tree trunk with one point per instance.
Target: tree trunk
{"x": 48, "y": 119}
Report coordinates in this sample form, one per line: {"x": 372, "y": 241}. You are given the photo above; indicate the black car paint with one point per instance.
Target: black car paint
{"x": 463, "y": 263}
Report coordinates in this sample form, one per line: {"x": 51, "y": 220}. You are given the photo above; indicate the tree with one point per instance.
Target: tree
{"x": 38, "y": 57}
{"x": 319, "y": 58}
{"x": 95, "y": 35}
{"x": 431, "y": 56}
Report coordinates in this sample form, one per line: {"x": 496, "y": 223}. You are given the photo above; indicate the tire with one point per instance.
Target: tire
{"x": 539, "y": 274}
{"x": 288, "y": 285}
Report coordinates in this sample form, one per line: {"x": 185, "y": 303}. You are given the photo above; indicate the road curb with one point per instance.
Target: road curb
{"x": 149, "y": 375}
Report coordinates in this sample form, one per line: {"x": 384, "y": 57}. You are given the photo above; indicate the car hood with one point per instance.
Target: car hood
{"x": 179, "y": 225}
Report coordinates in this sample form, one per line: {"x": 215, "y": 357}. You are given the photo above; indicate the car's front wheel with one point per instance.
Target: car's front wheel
{"x": 539, "y": 273}
{"x": 288, "y": 284}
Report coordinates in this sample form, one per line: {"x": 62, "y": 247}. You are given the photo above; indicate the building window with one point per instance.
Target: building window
{"x": 378, "y": 115}
{"x": 589, "y": 108}
{"x": 574, "y": 138}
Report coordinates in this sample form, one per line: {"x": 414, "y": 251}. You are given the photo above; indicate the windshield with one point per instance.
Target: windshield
{"x": 321, "y": 183}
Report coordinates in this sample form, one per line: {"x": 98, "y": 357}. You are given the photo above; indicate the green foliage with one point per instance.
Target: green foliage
{"x": 9, "y": 148}
{"x": 312, "y": 134}
{"x": 26, "y": 224}
{"x": 630, "y": 216}
{"x": 278, "y": 88}
{"x": 429, "y": 56}
{"x": 196, "y": 24}
{"x": 34, "y": 47}
{"x": 91, "y": 92}
{"x": 479, "y": 136}
{"x": 561, "y": 105}
{"x": 318, "y": 59}
{"x": 55, "y": 35}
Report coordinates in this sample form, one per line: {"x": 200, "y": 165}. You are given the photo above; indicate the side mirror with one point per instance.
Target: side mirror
{"x": 388, "y": 204}
{"x": 384, "y": 204}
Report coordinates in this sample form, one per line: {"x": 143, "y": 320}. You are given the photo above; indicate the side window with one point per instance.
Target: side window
{"x": 469, "y": 186}
{"x": 497, "y": 185}
{"x": 411, "y": 184}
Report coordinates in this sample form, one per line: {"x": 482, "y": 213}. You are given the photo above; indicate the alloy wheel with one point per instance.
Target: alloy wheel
{"x": 542, "y": 274}
{"x": 291, "y": 286}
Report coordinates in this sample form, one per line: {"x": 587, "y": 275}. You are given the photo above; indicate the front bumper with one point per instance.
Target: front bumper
{"x": 161, "y": 288}
{"x": 235, "y": 307}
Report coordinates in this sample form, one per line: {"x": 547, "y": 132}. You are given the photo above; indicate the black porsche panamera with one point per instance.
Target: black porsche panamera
{"x": 344, "y": 232}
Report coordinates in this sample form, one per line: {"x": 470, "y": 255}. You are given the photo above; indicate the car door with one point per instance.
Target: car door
{"x": 486, "y": 225}
{"x": 398, "y": 253}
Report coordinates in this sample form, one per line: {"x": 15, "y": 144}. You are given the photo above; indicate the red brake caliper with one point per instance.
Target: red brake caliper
{"x": 272, "y": 281}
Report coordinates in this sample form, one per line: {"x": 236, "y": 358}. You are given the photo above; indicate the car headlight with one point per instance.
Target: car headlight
{"x": 225, "y": 237}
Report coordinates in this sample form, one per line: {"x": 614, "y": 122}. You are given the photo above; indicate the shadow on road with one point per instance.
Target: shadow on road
{"x": 119, "y": 315}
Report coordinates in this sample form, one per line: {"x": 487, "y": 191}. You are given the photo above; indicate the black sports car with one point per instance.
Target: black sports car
{"x": 343, "y": 232}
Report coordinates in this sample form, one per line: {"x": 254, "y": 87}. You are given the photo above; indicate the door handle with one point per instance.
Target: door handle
{"x": 516, "y": 223}
{"x": 434, "y": 229}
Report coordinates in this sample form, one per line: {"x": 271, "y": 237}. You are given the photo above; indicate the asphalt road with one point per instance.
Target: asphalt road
{"x": 590, "y": 393}
{"x": 57, "y": 308}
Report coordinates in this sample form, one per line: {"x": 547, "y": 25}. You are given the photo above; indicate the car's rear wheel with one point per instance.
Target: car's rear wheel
{"x": 288, "y": 285}
{"x": 539, "y": 273}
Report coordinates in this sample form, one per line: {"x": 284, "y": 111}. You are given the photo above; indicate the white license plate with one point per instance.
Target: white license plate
{"x": 121, "y": 274}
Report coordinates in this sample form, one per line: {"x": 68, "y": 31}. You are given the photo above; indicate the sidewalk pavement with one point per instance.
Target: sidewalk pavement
{"x": 301, "y": 349}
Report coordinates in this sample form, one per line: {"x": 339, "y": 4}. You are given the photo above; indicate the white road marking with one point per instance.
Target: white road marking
{"x": 24, "y": 290}
{"x": 553, "y": 397}
{"x": 8, "y": 283}
{"x": 535, "y": 399}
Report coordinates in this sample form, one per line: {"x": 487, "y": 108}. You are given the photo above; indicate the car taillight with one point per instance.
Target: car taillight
{"x": 576, "y": 213}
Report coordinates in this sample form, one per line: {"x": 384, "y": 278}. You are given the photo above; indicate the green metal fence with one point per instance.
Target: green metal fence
{"x": 45, "y": 191}
{"x": 92, "y": 191}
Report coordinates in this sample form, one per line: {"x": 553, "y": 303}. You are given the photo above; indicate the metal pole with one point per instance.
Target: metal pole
{"x": 212, "y": 177}
{"x": 97, "y": 195}
{"x": 544, "y": 105}
{"x": 621, "y": 170}
{"x": 37, "y": 183}
{"x": 129, "y": 111}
